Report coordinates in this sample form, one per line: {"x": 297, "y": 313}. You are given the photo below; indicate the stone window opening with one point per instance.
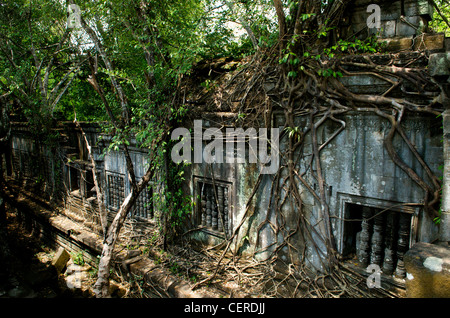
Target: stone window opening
{"x": 88, "y": 188}
{"x": 379, "y": 236}
{"x": 115, "y": 183}
{"x": 143, "y": 207}
{"x": 74, "y": 179}
{"x": 213, "y": 208}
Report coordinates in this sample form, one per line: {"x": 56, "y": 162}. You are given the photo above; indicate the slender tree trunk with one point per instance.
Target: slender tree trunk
{"x": 281, "y": 20}
{"x": 5, "y": 132}
{"x": 101, "y": 287}
{"x": 2, "y": 201}
{"x": 119, "y": 90}
{"x": 98, "y": 189}
{"x": 245, "y": 25}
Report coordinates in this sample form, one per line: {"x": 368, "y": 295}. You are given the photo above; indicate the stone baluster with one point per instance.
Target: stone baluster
{"x": 376, "y": 255}
{"x": 140, "y": 211}
{"x": 389, "y": 243}
{"x": 403, "y": 243}
{"x": 115, "y": 191}
{"x": 110, "y": 197}
{"x": 215, "y": 210}
{"x": 364, "y": 247}
{"x": 220, "y": 224}
{"x": 121, "y": 191}
{"x": 109, "y": 191}
{"x": 150, "y": 203}
{"x": 225, "y": 209}
{"x": 142, "y": 202}
{"x": 145, "y": 203}
{"x": 203, "y": 203}
{"x": 209, "y": 201}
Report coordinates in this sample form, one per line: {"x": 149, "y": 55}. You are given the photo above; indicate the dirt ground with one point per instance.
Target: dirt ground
{"x": 25, "y": 265}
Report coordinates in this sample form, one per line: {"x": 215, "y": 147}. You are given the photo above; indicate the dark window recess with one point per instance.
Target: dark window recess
{"x": 377, "y": 237}
{"x": 116, "y": 190}
{"x": 74, "y": 179}
{"x": 89, "y": 187}
{"x": 15, "y": 154}
{"x": 143, "y": 208}
{"x": 23, "y": 161}
{"x": 214, "y": 207}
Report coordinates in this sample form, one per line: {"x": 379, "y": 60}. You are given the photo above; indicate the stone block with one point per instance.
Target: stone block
{"x": 398, "y": 44}
{"x": 391, "y": 10}
{"x": 409, "y": 27}
{"x": 428, "y": 271}
{"x": 425, "y": 8}
{"x": 430, "y": 42}
{"x": 60, "y": 259}
{"x": 364, "y": 84}
{"x": 418, "y": 7}
{"x": 388, "y": 28}
{"x": 439, "y": 64}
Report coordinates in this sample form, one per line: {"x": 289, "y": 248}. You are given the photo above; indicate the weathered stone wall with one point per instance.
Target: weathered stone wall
{"x": 357, "y": 170}
{"x": 64, "y": 172}
{"x": 406, "y": 18}
{"x": 36, "y": 164}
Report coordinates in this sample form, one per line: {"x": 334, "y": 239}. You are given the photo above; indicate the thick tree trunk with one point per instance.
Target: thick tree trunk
{"x": 281, "y": 19}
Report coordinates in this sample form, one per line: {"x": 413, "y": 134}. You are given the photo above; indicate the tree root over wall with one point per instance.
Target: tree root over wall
{"x": 319, "y": 99}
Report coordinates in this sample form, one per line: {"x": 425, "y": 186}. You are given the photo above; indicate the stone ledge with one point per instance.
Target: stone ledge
{"x": 430, "y": 42}
{"x": 145, "y": 267}
{"x": 397, "y": 43}
{"x": 165, "y": 281}
{"x": 428, "y": 271}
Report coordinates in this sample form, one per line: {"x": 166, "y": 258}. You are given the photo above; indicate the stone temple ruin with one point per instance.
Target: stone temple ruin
{"x": 367, "y": 193}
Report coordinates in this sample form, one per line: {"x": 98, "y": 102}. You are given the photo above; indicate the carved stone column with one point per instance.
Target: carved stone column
{"x": 203, "y": 203}
{"x": 209, "y": 201}
{"x": 376, "y": 254}
{"x": 214, "y": 212}
{"x": 389, "y": 243}
{"x": 403, "y": 243}
{"x": 364, "y": 246}
{"x": 225, "y": 210}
